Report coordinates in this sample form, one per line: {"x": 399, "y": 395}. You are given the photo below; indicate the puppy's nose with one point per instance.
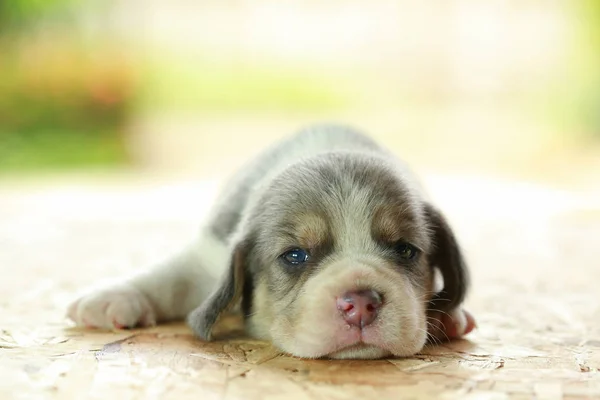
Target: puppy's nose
{"x": 359, "y": 308}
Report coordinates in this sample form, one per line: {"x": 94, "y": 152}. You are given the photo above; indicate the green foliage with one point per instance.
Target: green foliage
{"x": 591, "y": 65}
{"x": 570, "y": 102}
{"x": 62, "y": 89}
{"x": 59, "y": 106}
{"x": 582, "y": 93}
{"x": 55, "y": 149}
{"x": 16, "y": 14}
{"x": 178, "y": 83}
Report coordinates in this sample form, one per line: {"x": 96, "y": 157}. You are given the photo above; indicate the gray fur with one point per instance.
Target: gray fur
{"x": 348, "y": 197}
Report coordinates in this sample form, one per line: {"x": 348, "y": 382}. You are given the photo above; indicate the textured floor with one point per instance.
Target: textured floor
{"x": 534, "y": 254}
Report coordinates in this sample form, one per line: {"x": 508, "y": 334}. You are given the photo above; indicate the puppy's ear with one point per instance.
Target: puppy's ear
{"x": 447, "y": 256}
{"x": 226, "y": 295}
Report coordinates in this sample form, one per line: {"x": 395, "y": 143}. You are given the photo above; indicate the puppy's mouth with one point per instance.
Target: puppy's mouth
{"x": 358, "y": 343}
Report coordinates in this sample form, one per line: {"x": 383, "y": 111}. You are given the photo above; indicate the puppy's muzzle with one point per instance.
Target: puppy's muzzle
{"x": 359, "y": 308}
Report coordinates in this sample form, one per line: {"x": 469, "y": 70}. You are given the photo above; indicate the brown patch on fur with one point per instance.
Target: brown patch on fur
{"x": 312, "y": 231}
{"x": 388, "y": 222}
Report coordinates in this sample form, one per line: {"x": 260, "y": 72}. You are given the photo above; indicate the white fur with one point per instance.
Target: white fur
{"x": 438, "y": 280}
{"x": 115, "y": 307}
{"x": 168, "y": 291}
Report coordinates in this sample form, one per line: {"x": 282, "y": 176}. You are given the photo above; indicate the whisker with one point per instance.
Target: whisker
{"x": 435, "y": 326}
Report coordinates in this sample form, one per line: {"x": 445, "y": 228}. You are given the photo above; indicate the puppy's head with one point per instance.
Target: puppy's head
{"x": 336, "y": 260}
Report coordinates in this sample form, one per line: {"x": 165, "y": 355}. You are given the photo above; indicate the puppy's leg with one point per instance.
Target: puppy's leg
{"x": 169, "y": 291}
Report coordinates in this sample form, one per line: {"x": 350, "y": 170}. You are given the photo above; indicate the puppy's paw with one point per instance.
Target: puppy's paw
{"x": 118, "y": 307}
{"x": 453, "y": 325}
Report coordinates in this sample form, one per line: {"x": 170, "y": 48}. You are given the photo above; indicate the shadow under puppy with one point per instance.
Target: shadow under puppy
{"x": 328, "y": 245}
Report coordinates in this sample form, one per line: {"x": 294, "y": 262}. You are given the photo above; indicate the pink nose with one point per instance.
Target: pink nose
{"x": 359, "y": 308}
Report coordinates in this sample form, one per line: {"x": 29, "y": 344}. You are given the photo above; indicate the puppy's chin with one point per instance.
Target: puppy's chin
{"x": 361, "y": 351}
{"x": 371, "y": 347}
{"x": 350, "y": 347}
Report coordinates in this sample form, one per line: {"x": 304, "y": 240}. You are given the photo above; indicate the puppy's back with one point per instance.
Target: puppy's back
{"x": 259, "y": 171}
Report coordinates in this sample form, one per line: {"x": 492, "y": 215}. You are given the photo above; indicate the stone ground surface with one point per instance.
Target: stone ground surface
{"x": 534, "y": 254}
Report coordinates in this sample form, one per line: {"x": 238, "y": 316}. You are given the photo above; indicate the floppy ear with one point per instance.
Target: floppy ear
{"x": 447, "y": 256}
{"x": 225, "y": 296}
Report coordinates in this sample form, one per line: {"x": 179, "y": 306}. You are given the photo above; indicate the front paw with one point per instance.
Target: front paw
{"x": 118, "y": 307}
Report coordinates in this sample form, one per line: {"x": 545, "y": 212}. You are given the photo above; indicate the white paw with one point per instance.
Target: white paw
{"x": 118, "y": 307}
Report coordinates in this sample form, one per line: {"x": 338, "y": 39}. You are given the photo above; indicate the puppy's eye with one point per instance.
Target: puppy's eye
{"x": 295, "y": 257}
{"x": 406, "y": 251}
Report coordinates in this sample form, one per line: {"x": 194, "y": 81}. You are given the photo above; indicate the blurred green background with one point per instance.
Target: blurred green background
{"x": 190, "y": 87}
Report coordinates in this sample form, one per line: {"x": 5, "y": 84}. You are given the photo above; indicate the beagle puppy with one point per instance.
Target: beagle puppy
{"x": 327, "y": 245}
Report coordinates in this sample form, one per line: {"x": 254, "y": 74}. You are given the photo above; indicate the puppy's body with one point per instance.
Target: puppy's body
{"x": 299, "y": 238}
